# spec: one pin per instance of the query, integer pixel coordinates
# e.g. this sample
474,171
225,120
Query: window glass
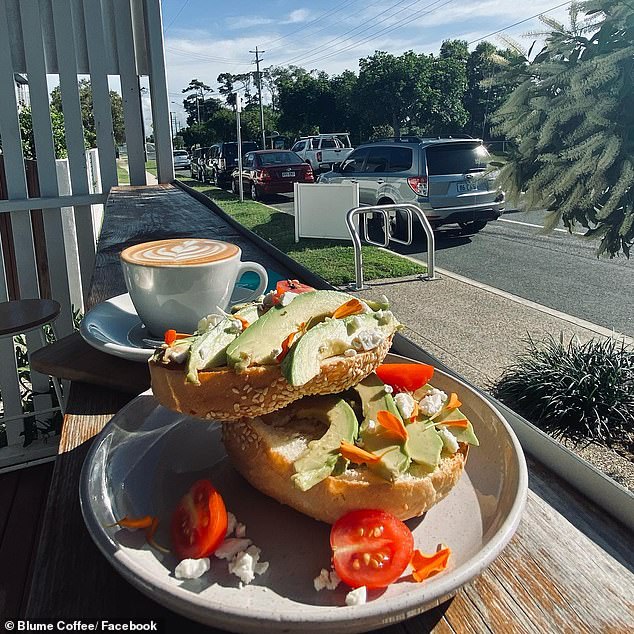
354,163
456,158
400,159
377,159
279,158
298,147
248,160
328,143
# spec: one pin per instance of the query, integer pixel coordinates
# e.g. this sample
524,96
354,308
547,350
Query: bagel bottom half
264,450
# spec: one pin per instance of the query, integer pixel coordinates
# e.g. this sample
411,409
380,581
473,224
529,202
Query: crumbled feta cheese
245,565
358,596
388,389
241,530
405,404
235,325
191,568
449,441
366,309
432,403
371,426
231,546
178,354
276,352
356,322
350,352
383,316
327,579
368,340
287,298
231,523
267,300
209,322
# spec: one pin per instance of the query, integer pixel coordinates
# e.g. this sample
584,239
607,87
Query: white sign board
320,209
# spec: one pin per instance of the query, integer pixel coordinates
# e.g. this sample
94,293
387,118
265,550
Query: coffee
179,252
174,283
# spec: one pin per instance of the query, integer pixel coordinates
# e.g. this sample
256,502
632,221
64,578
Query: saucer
115,328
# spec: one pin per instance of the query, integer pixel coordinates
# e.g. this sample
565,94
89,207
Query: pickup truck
322,151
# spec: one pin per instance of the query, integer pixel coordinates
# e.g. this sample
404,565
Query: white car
181,160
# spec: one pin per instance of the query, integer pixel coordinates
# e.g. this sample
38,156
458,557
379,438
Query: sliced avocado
322,456
424,443
394,455
462,434
208,350
328,339
256,344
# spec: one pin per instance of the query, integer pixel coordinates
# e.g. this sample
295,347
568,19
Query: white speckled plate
147,457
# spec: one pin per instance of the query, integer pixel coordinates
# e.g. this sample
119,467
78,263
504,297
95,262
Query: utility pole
259,85
172,114
239,137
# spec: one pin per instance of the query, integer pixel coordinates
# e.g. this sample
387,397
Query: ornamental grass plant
583,392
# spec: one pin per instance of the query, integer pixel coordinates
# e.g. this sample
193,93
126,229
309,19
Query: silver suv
447,178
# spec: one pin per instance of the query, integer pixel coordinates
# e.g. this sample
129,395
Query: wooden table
569,567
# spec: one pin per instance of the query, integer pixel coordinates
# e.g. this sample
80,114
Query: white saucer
115,328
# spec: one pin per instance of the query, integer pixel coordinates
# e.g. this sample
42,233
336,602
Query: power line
319,18
205,58
339,39
384,31
166,29
510,26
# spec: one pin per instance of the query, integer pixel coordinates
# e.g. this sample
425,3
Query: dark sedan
266,172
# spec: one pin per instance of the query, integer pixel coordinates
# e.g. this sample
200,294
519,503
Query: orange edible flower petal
412,418
427,565
356,454
453,401
351,307
392,423
405,377
171,336
288,342
133,522
459,422
149,536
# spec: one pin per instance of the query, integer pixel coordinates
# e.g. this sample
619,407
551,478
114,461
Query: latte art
179,252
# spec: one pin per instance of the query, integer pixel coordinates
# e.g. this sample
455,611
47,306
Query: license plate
288,174
467,187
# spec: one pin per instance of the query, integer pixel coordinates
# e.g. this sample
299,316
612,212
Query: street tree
572,119
196,92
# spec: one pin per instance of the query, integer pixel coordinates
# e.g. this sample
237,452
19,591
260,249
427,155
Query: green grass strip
332,259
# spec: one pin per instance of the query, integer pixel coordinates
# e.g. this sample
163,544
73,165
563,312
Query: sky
204,38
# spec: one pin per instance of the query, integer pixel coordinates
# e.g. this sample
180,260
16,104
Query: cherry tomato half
292,286
405,377
370,548
199,523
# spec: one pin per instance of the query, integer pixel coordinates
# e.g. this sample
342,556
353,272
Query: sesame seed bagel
226,395
264,452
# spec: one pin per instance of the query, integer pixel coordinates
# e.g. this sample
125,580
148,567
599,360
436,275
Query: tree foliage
572,118
87,112
28,140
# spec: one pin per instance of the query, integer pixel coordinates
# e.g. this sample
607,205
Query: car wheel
234,187
213,179
399,226
473,227
254,192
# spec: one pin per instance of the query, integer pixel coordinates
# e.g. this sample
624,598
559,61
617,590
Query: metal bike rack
411,211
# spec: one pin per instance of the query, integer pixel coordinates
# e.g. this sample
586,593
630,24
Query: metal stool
26,315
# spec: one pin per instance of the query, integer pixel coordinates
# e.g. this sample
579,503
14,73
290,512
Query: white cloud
299,15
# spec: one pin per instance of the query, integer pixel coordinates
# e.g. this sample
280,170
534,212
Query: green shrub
582,392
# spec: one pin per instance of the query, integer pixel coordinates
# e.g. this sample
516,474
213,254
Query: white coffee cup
174,283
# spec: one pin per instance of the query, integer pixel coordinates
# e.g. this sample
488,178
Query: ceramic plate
114,327
147,457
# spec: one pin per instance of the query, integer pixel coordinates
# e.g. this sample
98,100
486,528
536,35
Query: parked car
197,161
446,177
223,159
267,172
181,160
322,151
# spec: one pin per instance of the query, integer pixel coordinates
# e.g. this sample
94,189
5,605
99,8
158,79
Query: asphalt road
558,270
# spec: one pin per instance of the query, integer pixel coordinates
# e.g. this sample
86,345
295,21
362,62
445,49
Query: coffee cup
174,283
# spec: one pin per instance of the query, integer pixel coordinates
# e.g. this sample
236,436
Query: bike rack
411,211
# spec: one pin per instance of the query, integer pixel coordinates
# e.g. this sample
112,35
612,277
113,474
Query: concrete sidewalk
474,329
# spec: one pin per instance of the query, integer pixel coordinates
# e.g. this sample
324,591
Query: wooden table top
569,567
